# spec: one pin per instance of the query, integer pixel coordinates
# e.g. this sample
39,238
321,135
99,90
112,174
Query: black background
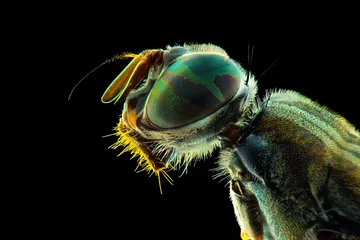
94,193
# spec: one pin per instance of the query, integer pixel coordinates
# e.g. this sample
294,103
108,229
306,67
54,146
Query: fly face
191,94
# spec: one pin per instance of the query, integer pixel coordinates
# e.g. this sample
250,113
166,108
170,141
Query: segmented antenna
110,60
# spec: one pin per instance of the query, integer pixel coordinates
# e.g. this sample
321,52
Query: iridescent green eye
193,87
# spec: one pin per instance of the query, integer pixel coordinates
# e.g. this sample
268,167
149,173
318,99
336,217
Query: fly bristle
127,138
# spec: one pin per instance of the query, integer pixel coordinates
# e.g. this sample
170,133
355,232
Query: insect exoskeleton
293,166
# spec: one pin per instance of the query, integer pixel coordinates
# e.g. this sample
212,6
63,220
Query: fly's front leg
245,204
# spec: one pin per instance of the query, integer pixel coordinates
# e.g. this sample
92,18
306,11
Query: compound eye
193,87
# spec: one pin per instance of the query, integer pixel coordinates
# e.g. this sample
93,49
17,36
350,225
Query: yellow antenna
114,58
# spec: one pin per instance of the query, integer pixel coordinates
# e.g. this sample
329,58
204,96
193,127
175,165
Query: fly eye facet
192,88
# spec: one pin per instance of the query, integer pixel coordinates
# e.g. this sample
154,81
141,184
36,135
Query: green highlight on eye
203,68
165,111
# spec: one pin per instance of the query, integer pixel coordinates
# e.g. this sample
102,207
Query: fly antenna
113,59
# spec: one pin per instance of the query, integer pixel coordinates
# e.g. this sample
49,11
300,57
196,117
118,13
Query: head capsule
191,94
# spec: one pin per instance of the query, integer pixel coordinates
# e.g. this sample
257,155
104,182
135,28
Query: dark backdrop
97,194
